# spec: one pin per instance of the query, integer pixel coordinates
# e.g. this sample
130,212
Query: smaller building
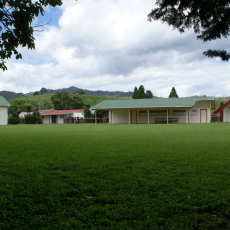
224,111
4,105
23,114
59,116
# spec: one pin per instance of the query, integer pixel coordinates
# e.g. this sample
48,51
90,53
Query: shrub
14,118
87,113
28,119
36,118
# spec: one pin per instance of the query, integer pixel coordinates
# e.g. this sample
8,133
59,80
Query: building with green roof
4,104
158,110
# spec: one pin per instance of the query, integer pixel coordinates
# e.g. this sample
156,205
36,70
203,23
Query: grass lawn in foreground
88,176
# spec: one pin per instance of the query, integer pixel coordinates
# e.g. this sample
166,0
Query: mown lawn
91,176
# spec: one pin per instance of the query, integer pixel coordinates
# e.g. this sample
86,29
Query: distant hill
12,96
8,95
73,89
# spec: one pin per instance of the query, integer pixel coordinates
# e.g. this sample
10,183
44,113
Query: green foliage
102,113
65,100
16,26
209,19
28,119
43,90
115,176
28,107
173,93
16,106
135,93
36,93
140,93
14,118
35,118
87,113
80,91
149,94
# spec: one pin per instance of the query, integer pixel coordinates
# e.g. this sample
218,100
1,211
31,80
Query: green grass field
88,176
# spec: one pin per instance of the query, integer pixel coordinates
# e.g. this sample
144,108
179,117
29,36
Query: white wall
198,106
3,115
46,119
79,114
226,114
119,116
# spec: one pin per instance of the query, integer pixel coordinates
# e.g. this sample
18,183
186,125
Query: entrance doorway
203,116
133,116
53,119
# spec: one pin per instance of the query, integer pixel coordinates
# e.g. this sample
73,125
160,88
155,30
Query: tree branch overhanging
209,19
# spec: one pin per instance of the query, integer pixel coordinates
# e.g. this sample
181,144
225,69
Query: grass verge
115,176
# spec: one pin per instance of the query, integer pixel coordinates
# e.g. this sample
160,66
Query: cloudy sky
110,45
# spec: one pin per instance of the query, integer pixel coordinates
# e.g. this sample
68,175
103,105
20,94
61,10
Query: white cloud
109,45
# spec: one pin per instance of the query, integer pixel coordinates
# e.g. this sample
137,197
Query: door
53,119
133,117
203,116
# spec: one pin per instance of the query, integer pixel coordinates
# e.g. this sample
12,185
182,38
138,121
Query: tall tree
63,100
141,92
135,93
209,19
173,93
16,28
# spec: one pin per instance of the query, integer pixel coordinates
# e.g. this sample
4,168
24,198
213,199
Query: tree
173,93
209,19
43,90
141,92
87,113
36,93
28,106
135,93
64,100
35,118
17,106
80,91
16,25
14,118
149,94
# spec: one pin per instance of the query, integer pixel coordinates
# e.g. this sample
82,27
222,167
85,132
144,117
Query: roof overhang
158,107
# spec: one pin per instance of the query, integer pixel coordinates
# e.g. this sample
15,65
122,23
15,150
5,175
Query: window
62,116
142,113
194,112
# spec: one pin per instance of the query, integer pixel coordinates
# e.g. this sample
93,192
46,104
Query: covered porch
149,116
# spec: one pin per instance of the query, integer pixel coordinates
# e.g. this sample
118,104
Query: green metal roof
151,103
4,102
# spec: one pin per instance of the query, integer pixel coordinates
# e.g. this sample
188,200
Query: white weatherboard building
4,105
159,110
58,116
